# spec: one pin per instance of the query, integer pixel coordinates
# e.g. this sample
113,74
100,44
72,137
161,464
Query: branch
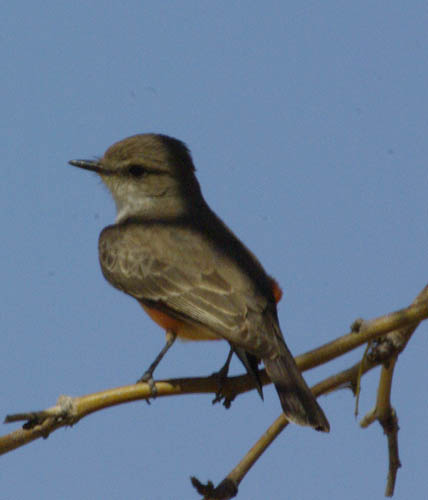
231,482
69,410
39,425
386,350
385,414
368,330
396,341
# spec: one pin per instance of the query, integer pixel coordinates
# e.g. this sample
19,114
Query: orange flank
277,292
183,330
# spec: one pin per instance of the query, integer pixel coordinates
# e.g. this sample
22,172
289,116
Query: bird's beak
92,165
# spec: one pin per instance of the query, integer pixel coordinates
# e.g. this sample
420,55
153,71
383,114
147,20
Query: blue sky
308,126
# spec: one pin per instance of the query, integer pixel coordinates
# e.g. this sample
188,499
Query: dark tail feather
251,364
297,401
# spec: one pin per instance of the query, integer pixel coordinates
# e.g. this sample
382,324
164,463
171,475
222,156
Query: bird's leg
224,370
221,376
148,374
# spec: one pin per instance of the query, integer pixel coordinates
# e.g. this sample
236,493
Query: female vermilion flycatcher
189,272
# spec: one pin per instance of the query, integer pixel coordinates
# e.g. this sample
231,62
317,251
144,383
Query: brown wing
180,271
186,276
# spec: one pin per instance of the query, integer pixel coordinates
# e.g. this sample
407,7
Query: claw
148,379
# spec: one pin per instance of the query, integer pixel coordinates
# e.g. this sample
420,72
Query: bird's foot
221,378
223,394
147,378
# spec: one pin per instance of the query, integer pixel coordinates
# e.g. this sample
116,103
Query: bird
190,273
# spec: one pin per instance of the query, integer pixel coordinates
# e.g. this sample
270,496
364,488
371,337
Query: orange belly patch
183,330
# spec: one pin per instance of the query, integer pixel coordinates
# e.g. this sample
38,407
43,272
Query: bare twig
386,350
385,414
235,477
368,330
391,428
350,376
398,325
360,374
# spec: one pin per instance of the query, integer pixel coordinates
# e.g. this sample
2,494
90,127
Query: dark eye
136,171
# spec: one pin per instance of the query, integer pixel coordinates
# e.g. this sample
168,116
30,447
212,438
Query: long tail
297,401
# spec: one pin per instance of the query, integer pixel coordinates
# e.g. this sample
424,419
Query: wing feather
182,272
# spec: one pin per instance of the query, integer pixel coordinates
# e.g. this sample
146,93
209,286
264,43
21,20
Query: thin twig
386,350
70,410
369,330
385,414
391,429
241,469
350,376
358,383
